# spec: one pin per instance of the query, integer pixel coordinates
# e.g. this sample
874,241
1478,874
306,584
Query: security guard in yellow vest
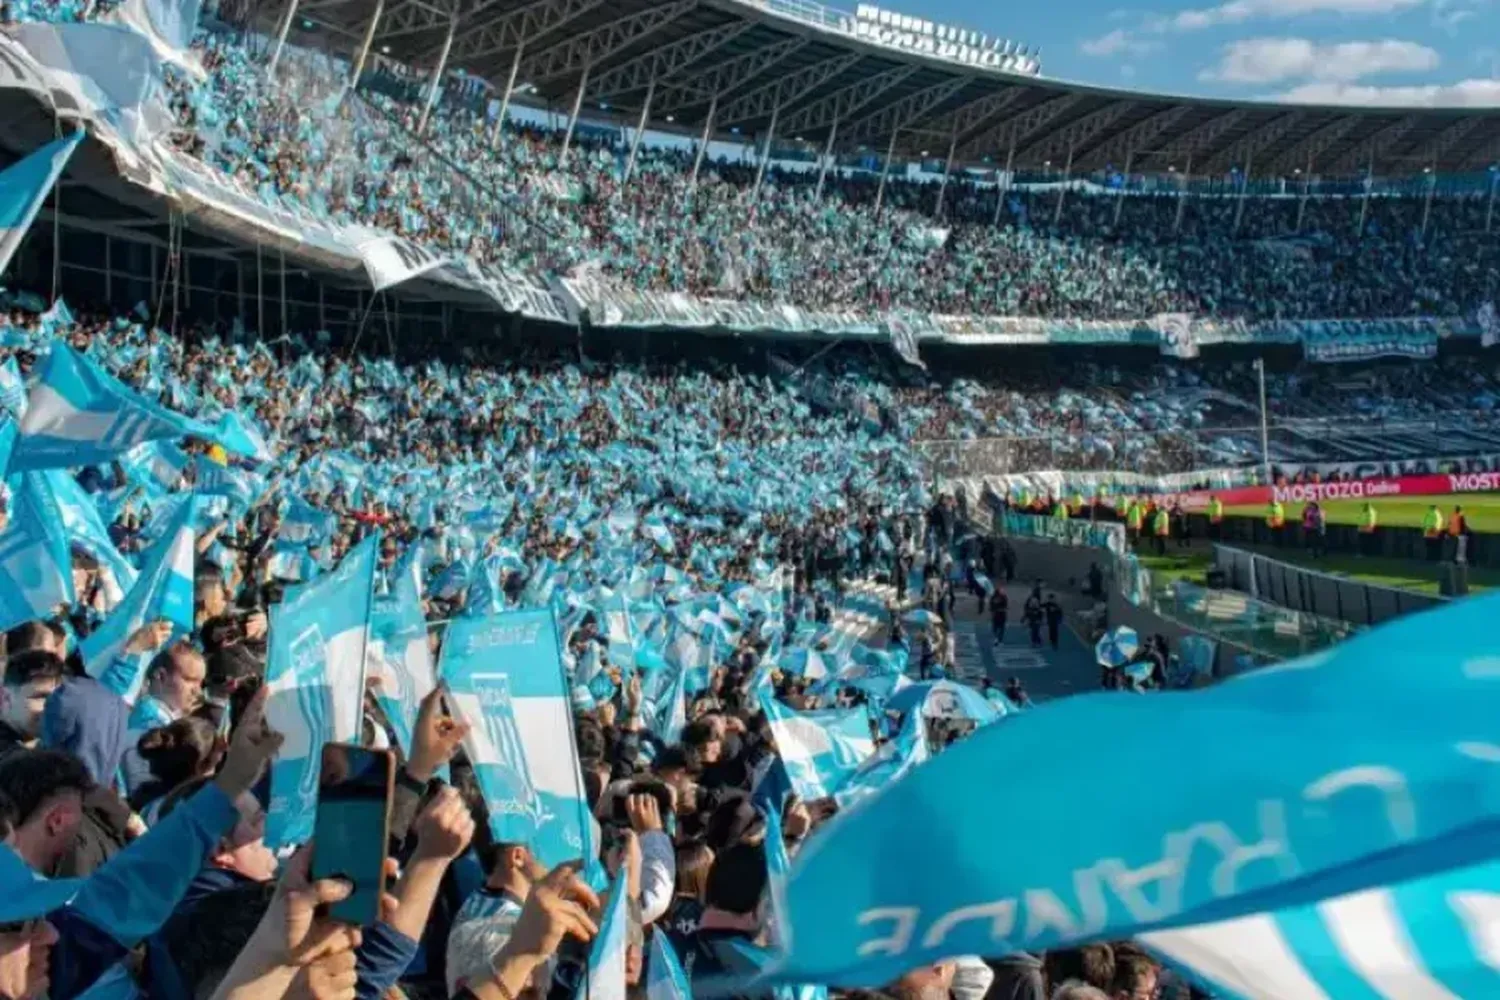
1368,523
1215,518
1133,515
1276,520
1433,526
1161,530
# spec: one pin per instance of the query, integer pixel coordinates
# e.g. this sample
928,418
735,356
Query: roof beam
516,27
1259,138
1123,144
1067,139
882,120
842,103
1450,137
760,102
1303,154
1357,157
577,51
724,77
1486,154
1200,136
664,60
964,120
1014,131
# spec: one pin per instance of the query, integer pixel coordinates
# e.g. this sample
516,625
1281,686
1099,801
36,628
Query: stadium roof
747,60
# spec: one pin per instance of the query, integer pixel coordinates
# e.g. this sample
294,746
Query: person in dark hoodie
31,676
86,720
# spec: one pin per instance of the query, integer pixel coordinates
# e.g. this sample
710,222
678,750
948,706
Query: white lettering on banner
503,635
1041,912
1475,482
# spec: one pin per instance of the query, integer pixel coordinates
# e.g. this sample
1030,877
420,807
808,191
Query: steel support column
708,130
947,169
498,139
885,170
828,158
1364,203
1182,196
437,77
1427,200
765,155
1120,194
1489,212
640,130
364,47
1239,209
1003,188
1062,192
583,83
286,26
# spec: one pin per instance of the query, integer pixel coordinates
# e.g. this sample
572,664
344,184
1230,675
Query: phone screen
352,827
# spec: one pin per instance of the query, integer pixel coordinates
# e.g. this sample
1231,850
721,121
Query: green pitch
1482,510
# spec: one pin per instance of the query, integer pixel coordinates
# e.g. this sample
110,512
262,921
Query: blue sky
1403,52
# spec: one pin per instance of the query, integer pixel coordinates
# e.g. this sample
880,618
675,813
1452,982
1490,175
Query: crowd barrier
1303,589
1240,623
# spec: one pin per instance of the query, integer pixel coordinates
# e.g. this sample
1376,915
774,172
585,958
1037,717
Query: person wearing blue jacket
132,895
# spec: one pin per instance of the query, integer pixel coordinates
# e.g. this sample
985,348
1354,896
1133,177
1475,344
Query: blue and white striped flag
819,753
1290,799
399,657
86,530
239,435
316,675
162,592
24,187
505,676
665,979
891,761
79,415
604,977
36,566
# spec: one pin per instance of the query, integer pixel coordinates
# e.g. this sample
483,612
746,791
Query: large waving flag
316,675
1432,938
79,415
24,186
820,752
12,388
505,675
604,977
399,657
665,979
36,566
1289,797
162,592
85,529
891,761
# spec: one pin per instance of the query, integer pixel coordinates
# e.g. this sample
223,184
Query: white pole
947,169
498,139
1120,194
708,130
437,77
286,25
1182,196
1265,427
828,158
1004,187
885,170
1489,212
1063,191
1239,209
583,82
1427,202
765,155
364,48
640,129
1306,190
1364,205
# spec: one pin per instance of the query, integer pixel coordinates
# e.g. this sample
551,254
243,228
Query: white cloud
1115,43
1477,92
1239,11
1272,60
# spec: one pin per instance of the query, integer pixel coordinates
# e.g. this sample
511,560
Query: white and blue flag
604,977
24,187
820,752
36,565
399,658
505,677
665,979
85,529
1290,798
79,415
316,675
892,760
163,592
12,388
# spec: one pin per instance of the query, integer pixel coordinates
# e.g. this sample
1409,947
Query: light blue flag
12,388
604,976
316,676
819,753
1291,796
1432,937
400,659
86,530
512,661
79,415
36,566
671,713
24,186
665,979
891,761
239,435
163,592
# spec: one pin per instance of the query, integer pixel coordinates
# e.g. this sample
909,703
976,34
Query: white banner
390,261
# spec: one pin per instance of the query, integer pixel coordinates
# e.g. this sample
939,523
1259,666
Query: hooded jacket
86,720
